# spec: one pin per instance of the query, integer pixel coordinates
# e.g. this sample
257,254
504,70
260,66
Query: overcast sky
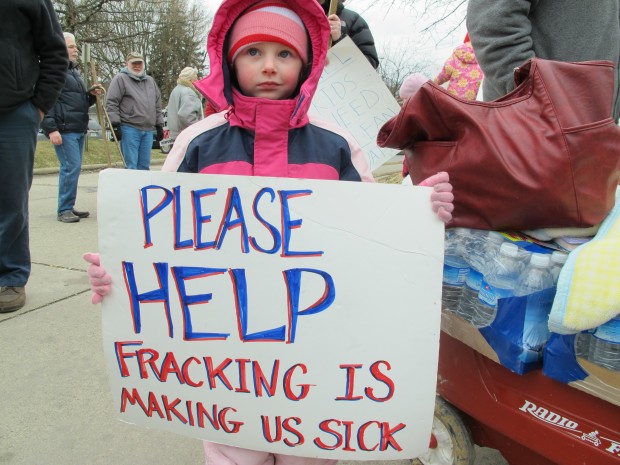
404,25
398,27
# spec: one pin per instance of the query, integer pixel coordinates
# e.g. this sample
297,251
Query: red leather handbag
545,155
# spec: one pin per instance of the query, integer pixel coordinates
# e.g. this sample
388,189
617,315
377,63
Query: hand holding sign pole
333,5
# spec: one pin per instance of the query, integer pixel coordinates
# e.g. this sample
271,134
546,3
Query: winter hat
188,73
268,21
134,57
411,84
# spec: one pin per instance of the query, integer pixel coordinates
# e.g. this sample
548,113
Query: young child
410,85
462,72
261,85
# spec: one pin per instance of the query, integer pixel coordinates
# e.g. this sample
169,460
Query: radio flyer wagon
530,418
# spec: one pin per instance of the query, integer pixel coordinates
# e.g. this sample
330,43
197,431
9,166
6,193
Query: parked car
94,129
166,144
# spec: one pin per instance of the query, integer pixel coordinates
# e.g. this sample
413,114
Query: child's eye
253,51
285,54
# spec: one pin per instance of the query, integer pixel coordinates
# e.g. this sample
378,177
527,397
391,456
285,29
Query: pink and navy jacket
260,137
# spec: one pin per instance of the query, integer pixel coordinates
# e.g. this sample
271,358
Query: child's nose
269,64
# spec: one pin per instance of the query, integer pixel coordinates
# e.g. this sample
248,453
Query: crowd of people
264,57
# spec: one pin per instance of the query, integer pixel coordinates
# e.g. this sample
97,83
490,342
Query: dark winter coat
354,26
33,57
70,112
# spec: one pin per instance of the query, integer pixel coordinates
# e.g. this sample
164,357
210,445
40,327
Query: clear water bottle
494,243
582,343
558,258
455,269
605,345
482,248
524,259
536,282
498,283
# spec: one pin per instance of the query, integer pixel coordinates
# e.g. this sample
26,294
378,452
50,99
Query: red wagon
530,418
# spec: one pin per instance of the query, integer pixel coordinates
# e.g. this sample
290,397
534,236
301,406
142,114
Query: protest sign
352,95
293,316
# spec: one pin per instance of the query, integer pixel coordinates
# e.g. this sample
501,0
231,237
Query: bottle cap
510,249
559,257
460,231
495,238
539,259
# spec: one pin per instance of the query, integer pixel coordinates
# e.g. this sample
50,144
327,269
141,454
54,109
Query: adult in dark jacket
349,23
33,63
506,33
66,125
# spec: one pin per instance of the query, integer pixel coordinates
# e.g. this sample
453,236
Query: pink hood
270,120
216,86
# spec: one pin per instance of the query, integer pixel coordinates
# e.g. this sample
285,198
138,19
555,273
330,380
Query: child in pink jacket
462,71
261,86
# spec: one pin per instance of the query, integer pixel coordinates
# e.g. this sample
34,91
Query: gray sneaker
81,214
68,217
12,298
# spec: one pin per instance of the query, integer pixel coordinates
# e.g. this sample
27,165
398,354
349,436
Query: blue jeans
136,146
69,155
18,141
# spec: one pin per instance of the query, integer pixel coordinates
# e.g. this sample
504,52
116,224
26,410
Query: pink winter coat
463,72
261,137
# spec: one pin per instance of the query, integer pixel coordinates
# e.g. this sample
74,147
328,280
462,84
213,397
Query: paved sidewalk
55,403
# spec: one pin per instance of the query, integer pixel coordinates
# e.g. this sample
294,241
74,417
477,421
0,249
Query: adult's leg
18,141
220,454
130,145
144,155
69,155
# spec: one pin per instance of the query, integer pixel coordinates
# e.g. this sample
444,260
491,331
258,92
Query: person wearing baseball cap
134,108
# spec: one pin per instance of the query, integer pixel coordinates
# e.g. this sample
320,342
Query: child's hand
99,279
442,197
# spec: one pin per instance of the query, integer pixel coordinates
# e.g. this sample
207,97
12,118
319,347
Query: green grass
94,154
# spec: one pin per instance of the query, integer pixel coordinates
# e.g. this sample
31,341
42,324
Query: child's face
269,70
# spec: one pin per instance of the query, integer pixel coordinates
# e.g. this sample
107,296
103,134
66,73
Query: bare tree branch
169,33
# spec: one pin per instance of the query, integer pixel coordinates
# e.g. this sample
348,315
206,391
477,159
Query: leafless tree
169,33
176,47
433,13
396,63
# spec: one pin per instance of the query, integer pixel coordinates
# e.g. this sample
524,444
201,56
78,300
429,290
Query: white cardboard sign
352,95
293,316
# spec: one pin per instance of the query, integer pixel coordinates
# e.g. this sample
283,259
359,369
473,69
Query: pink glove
99,279
442,197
